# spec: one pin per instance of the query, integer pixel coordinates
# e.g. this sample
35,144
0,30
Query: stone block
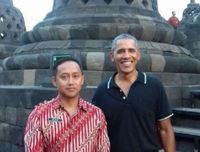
2,114
5,147
17,148
4,132
22,115
11,77
16,135
174,95
88,92
11,115
23,96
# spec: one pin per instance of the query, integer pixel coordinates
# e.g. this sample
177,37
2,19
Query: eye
76,76
120,51
132,50
63,77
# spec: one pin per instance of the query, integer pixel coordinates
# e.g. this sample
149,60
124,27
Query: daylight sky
34,11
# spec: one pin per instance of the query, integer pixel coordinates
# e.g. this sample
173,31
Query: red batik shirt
51,129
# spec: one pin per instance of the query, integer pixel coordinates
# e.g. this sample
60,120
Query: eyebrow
126,49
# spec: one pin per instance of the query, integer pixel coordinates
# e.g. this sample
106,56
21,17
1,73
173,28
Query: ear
138,55
112,56
53,81
83,79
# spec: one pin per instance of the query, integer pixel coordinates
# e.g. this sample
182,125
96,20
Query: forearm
168,140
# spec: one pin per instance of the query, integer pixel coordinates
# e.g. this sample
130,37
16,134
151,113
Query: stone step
29,96
187,117
195,98
40,77
187,139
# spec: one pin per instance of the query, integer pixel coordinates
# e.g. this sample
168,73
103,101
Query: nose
70,80
127,54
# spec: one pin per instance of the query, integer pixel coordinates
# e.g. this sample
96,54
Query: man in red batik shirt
174,21
66,123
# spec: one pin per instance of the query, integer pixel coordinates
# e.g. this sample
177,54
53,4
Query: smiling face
68,79
125,56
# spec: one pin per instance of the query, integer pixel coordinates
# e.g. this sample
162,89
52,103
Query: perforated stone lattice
109,1
129,1
11,24
85,1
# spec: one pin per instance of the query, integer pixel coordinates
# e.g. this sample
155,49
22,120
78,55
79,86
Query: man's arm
33,138
103,143
167,135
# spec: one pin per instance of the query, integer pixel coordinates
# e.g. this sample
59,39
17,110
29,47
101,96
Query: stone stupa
190,25
85,29
12,27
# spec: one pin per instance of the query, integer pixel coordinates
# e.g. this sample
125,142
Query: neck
124,81
127,77
69,104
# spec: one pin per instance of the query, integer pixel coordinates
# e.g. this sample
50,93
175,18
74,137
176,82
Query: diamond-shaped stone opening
13,18
8,11
18,27
15,36
9,26
129,1
145,3
108,1
85,1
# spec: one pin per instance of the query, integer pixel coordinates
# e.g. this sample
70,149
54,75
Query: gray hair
123,36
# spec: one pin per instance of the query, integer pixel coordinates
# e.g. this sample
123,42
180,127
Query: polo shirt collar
82,104
142,78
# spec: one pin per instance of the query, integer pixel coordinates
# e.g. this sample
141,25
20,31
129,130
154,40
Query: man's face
125,56
68,79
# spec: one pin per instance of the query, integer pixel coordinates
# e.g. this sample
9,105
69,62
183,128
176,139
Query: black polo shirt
132,119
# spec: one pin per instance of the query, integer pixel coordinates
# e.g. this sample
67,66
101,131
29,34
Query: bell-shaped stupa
11,28
85,29
191,27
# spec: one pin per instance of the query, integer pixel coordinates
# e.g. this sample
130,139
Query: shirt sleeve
163,107
103,143
33,137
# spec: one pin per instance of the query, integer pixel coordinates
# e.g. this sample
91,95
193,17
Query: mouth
126,63
70,89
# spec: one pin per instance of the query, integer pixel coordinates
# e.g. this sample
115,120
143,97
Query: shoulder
101,89
41,108
91,107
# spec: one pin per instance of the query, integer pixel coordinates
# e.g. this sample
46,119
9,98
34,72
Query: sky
34,11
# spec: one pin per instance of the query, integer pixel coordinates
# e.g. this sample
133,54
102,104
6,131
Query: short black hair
123,36
59,62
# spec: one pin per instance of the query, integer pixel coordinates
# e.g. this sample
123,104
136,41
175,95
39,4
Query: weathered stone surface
12,27
16,135
173,56
17,148
2,113
11,115
5,146
92,78
191,27
4,132
25,99
22,115
84,29
73,25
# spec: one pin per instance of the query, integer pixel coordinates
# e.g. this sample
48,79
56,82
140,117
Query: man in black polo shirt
135,104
